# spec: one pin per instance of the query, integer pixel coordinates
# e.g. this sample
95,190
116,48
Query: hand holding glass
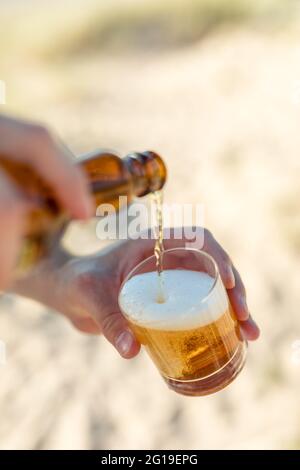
193,336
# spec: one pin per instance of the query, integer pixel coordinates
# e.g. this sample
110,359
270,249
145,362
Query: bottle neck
148,172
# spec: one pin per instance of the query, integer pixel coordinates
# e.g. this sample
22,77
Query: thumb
117,331
98,299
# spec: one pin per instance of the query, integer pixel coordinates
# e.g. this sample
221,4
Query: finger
54,164
204,240
214,249
142,248
102,306
12,212
34,145
250,329
116,330
237,297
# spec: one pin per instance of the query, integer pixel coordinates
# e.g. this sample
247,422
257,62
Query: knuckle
110,323
240,285
86,282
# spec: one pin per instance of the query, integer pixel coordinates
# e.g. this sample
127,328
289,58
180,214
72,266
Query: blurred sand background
214,86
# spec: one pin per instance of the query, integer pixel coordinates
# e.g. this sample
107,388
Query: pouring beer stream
157,197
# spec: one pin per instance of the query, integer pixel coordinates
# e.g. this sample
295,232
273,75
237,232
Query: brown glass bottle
110,177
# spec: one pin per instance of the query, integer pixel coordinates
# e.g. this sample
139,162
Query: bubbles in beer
193,337
159,244
183,307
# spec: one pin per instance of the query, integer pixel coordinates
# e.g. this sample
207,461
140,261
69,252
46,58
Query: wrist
42,282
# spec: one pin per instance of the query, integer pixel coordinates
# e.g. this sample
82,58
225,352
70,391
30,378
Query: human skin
85,289
32,144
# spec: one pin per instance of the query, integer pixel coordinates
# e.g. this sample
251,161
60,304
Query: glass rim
170,250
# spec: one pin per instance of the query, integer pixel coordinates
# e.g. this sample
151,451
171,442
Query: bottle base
214,382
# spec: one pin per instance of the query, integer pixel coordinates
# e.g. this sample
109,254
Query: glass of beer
185,321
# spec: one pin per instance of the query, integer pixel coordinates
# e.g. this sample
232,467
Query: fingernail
124,343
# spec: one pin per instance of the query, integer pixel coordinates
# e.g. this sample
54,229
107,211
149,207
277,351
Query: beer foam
187,303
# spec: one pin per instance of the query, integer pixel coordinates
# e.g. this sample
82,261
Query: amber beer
193,337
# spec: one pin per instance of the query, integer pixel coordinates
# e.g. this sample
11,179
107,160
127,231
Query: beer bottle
109,176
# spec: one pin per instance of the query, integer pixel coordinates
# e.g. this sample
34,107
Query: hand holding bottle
33,145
